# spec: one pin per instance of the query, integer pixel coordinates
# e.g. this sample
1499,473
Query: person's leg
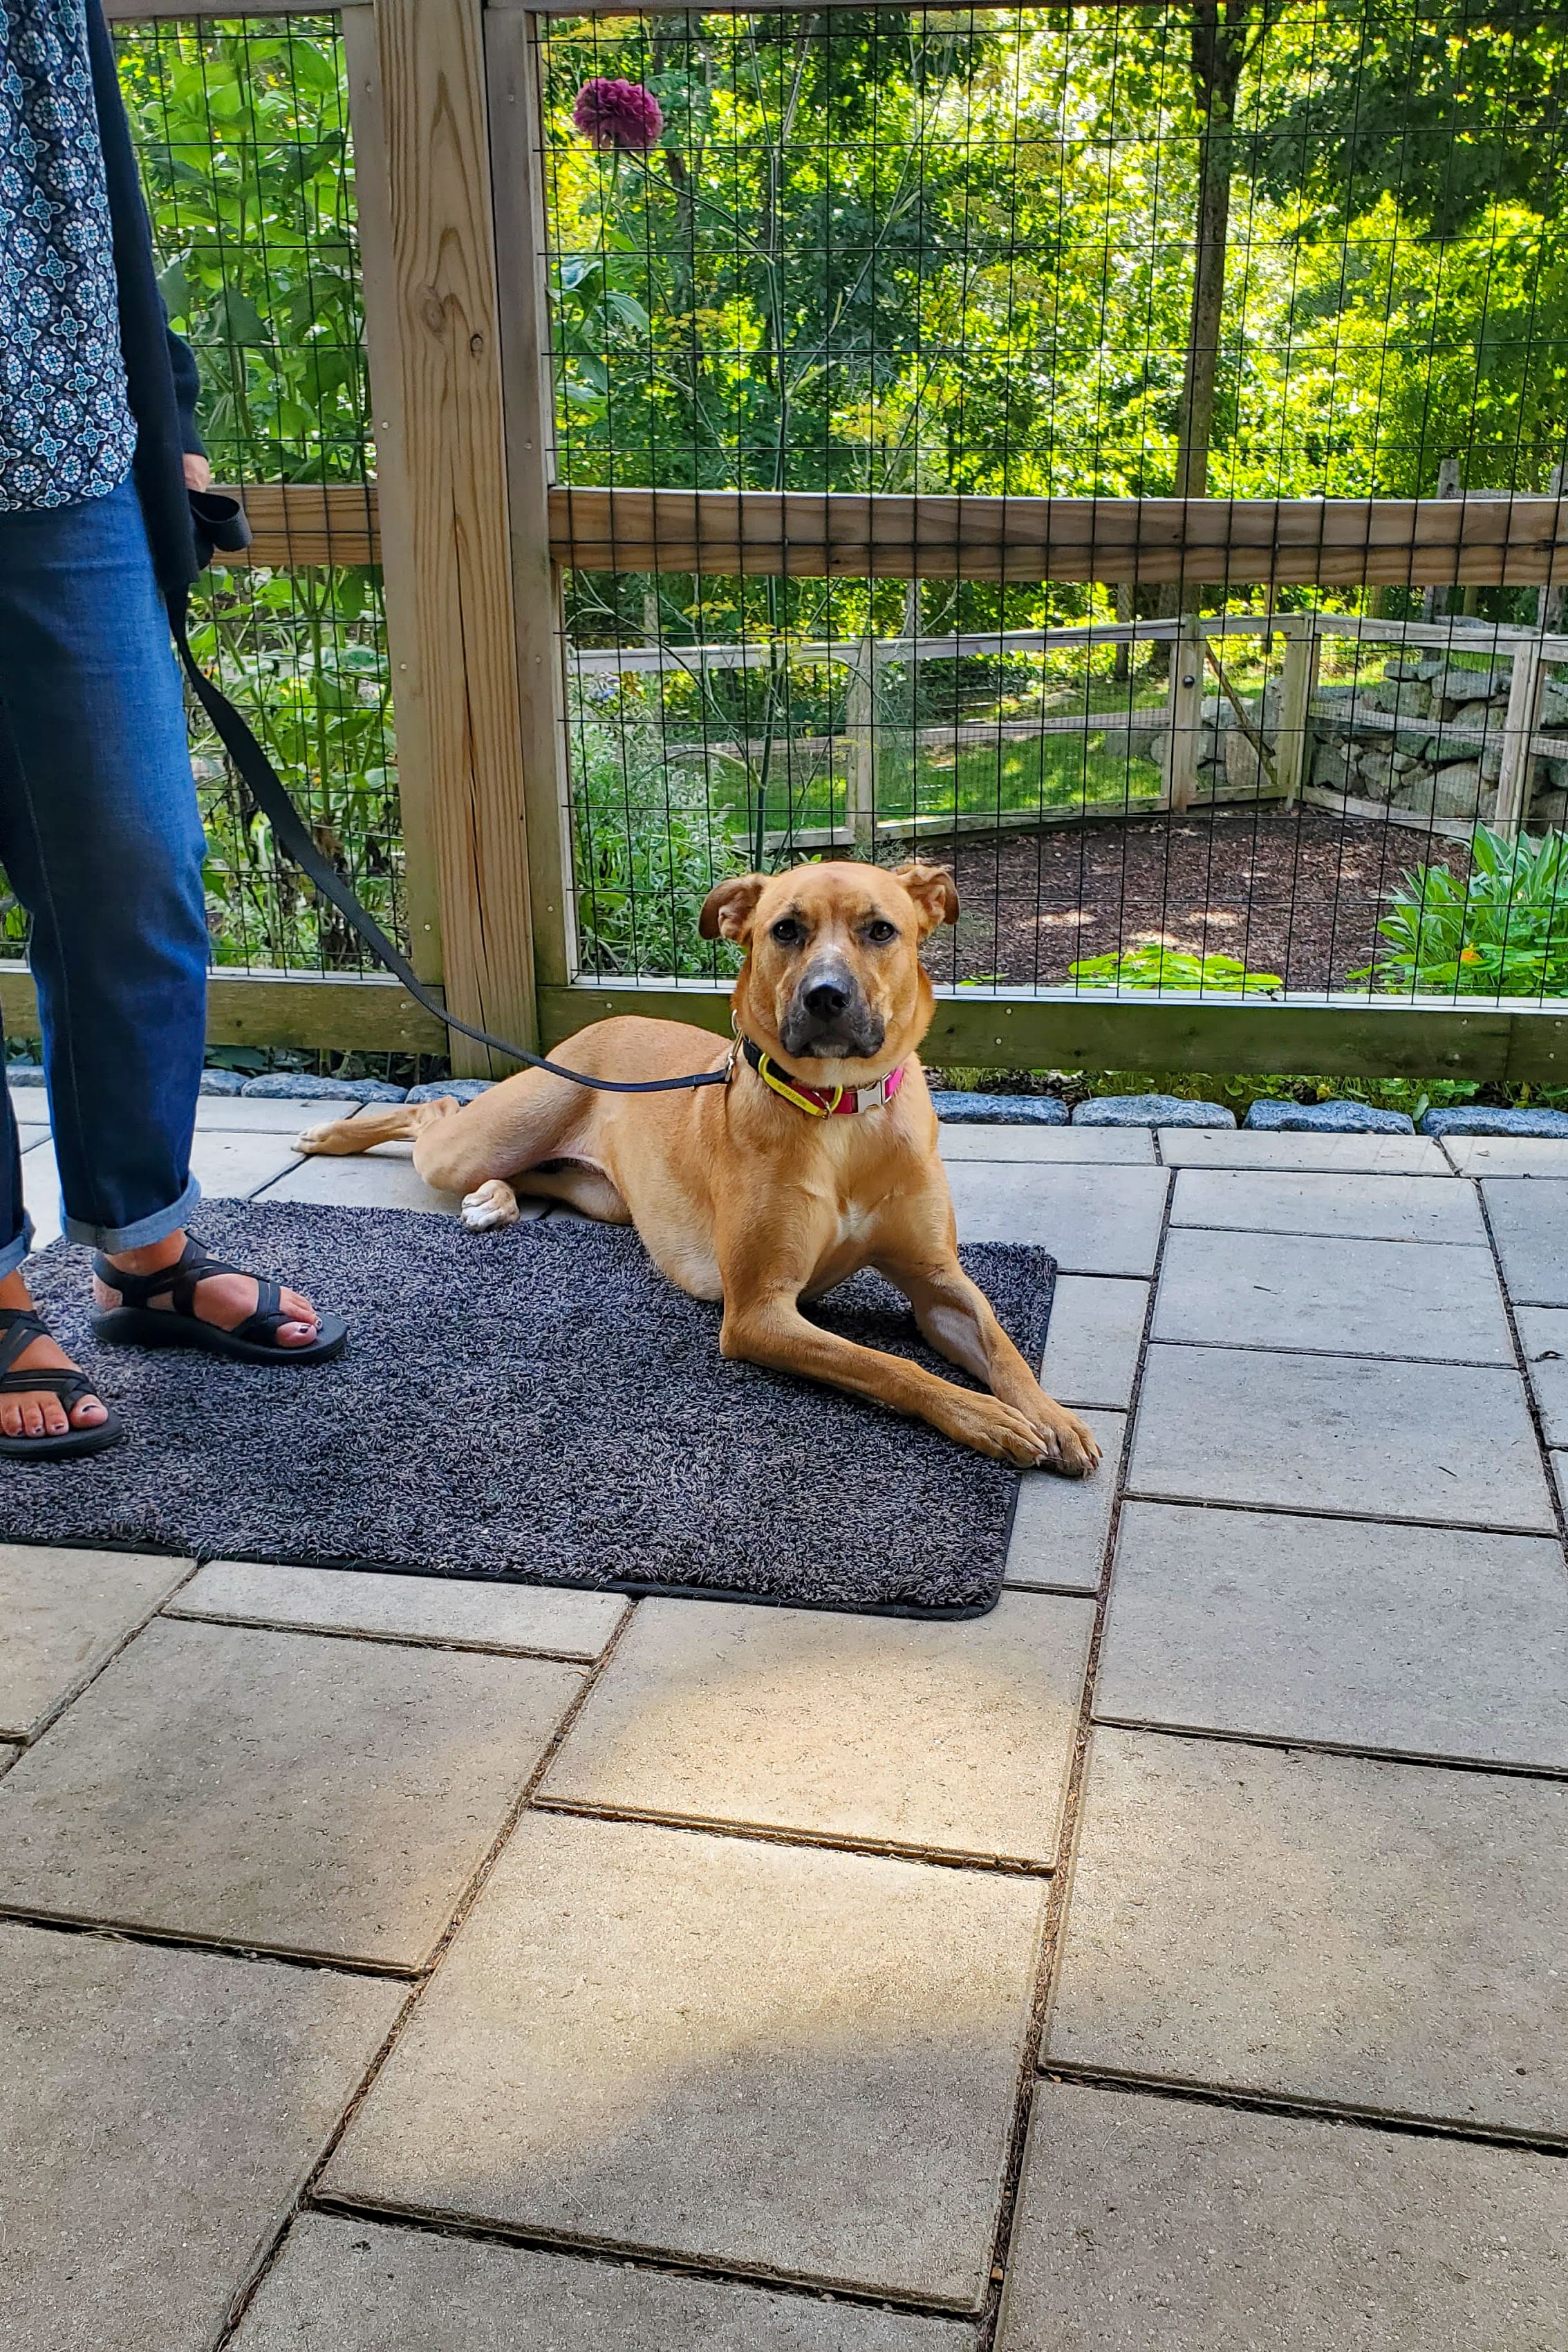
101,838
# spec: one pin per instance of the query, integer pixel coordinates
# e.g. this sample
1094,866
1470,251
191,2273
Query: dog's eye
787,931
880,933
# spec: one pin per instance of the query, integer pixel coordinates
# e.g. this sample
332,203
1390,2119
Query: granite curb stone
1337,1116
222,1082
999,1111
308,1086
465,1090
1474,1118
1150,1110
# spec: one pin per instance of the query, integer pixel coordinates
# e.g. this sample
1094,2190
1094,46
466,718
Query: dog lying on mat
817,1157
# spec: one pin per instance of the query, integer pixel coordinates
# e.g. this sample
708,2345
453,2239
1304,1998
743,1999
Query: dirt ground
1296,895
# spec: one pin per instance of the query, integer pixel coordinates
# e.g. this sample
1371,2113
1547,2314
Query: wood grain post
422,133
860,726
1186,707
1518,727
1299,676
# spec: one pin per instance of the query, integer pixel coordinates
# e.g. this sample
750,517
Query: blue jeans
101,840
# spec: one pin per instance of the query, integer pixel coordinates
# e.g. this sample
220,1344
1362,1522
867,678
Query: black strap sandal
137,1323
19,1327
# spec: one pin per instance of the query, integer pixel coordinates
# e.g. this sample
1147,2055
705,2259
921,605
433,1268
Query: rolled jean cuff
112,1239
15,1252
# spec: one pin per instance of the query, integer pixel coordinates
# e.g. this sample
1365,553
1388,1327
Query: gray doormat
534,1403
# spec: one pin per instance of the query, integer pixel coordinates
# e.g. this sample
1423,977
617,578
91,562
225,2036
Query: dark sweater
161,374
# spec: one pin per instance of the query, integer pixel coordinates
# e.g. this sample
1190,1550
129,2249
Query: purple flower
618,114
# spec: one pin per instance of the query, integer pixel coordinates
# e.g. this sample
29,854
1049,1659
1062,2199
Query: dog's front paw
1069,1445
493,1205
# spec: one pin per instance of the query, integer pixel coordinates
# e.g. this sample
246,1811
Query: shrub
1150,964
1502,933
648,843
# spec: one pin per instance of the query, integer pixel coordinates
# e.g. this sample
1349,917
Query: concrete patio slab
1148,2221
8,1756
762,2057
352,2286
1341,1632
269,1114
1348,1207
1410,1299
41,1192
375,1181
1095,1338
1339,1433
1092,1219
1544,1343
1104,1146
1060,1524
948,1739
277,1792
1374,1155
1531,1233
227,1165
1375,1936
160,2111
1507,1155
63,1614
459,1613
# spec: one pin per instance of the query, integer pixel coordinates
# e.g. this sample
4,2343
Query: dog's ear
729,907
934,892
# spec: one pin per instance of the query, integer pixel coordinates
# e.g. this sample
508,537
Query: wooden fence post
1299,676
511,53
423,180
1518,728
860,726
1184,707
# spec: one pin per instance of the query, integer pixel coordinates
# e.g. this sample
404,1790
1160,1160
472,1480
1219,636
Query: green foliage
1151,964
1503,932
648,843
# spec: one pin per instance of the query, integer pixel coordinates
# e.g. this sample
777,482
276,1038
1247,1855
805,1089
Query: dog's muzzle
828,1017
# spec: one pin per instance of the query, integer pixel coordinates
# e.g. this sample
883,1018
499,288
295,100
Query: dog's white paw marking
310,1136
494,1203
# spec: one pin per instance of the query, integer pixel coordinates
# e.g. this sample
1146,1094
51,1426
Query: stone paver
1095,1337
445,1609
1339,1630
8,1756
1378,1155
1340,1434
1411,1300
1348,1208
346,2286
41,1192
1060,1523
1103,1147
63,1613
238,1165
759,2056
954,1738
276,1791
268,1114
1148,2223
1531,1233
379,1180
1371,1935
159,2112
1092,1219
1507,1155
1544,1342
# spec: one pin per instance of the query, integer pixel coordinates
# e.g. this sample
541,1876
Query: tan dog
757,1192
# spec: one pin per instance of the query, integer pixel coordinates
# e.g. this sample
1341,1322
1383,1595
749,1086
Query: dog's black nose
825,1000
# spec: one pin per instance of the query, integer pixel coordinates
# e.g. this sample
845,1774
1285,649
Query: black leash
292,835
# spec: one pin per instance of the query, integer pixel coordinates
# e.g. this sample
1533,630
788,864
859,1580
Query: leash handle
269,795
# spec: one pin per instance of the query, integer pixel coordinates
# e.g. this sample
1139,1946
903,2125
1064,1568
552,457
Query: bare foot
225,1300
38,1413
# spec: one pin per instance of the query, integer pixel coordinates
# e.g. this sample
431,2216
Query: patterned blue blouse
65,428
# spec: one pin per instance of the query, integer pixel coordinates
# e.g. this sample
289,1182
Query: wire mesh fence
242,131
1233,248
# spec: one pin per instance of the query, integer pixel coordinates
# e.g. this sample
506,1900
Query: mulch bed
1296,895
